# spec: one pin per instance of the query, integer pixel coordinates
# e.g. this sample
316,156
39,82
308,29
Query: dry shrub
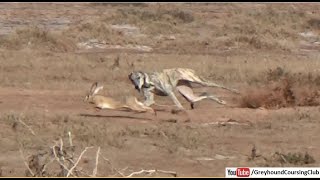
37,38
307,97
313,23
278,159
280,94
296,158
276,74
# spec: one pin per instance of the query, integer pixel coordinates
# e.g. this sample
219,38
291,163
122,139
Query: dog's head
139,80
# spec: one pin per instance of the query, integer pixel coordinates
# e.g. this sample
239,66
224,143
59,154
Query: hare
103,102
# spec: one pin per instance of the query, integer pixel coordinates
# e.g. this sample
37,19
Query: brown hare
103,102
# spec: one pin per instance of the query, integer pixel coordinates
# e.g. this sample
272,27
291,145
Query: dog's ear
146,80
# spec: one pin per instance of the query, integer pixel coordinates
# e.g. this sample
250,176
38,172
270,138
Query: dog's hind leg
189,95
196,79
212,97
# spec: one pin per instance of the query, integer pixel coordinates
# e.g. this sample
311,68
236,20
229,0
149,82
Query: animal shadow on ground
119,116
113,116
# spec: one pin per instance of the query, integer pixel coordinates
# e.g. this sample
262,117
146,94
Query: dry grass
279,159
251,48
267,27
180,141
264,28
100,31
37,38
295,158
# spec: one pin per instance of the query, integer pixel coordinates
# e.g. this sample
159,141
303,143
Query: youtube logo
243,172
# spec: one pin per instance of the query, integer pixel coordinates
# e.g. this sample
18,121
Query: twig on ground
223,123
163,134
95,170
283,158
77,170
58,160
25,162
45,166
71,144
23,123
153,171
62,154
70,139
120,172
114,169
61,145
168,172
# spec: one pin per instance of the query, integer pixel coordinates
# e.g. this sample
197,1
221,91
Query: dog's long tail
212,84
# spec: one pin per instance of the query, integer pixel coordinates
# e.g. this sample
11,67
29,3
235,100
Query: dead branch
112,168
283,158
58,160
45,166
168,172
153,171
95,170
25,162
120,172
71,144
61,145
163,134
70,139
28,127
61,149
78,170
75,165
223,123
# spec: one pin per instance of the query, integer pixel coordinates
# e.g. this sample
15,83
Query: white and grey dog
166,82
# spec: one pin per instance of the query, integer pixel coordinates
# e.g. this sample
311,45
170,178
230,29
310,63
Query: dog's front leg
176,101
149,96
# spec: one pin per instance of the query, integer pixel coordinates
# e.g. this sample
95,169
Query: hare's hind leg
98,109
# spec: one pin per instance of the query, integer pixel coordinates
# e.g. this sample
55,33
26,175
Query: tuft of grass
294,158
161,14
285,159
313,23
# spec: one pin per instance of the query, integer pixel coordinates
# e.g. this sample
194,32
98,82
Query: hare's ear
97,89
93,87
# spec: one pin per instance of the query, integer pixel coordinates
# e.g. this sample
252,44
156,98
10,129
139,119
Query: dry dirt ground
51,54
